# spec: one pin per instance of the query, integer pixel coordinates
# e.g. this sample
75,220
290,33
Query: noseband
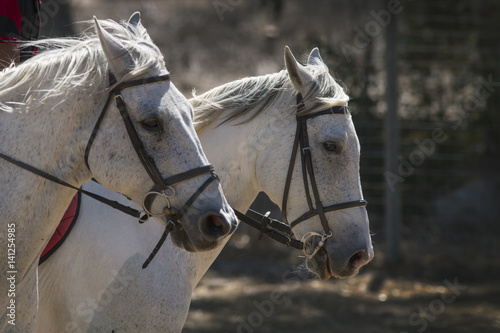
312,241
162,187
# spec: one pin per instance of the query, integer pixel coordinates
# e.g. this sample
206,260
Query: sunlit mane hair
244,99
66,63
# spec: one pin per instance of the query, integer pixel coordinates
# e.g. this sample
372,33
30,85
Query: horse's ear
315,59
301,79
135,26
119,59
135,19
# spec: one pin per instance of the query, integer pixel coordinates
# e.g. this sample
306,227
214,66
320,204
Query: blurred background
424,78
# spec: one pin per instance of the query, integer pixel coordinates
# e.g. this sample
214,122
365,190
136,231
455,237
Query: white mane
249,96
64,64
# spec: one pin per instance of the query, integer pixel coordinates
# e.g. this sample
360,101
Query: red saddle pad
63,229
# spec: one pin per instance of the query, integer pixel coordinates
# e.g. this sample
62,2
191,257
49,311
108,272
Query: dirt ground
440,286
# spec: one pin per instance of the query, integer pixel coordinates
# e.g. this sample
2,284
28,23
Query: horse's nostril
359,259
357,256
214,221
214,226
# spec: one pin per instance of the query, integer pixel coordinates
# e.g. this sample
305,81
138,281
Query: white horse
247,129
49,108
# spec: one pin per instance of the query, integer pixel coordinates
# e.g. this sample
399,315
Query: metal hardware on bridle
163,194
310,248
277,230
312,241
264,222
173,215
162,187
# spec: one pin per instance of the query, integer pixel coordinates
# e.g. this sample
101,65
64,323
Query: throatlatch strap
94,132
288,181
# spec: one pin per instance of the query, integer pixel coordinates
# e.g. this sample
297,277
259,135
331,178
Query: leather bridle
312,241
162,186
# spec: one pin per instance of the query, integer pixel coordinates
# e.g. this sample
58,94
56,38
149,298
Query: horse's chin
321,266
181,239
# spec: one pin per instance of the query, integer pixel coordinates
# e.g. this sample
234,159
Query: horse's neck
234,151
236,170
51,138
46,138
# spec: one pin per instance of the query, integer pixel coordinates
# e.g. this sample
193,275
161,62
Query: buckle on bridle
310,247
264,222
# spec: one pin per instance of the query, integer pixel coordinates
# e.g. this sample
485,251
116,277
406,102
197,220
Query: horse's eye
330,146
152,124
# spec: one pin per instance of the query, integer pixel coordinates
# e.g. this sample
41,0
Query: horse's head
164,154
330,190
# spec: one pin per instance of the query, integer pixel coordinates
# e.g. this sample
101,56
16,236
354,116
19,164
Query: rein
125,209
276,229
162,187
281,231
